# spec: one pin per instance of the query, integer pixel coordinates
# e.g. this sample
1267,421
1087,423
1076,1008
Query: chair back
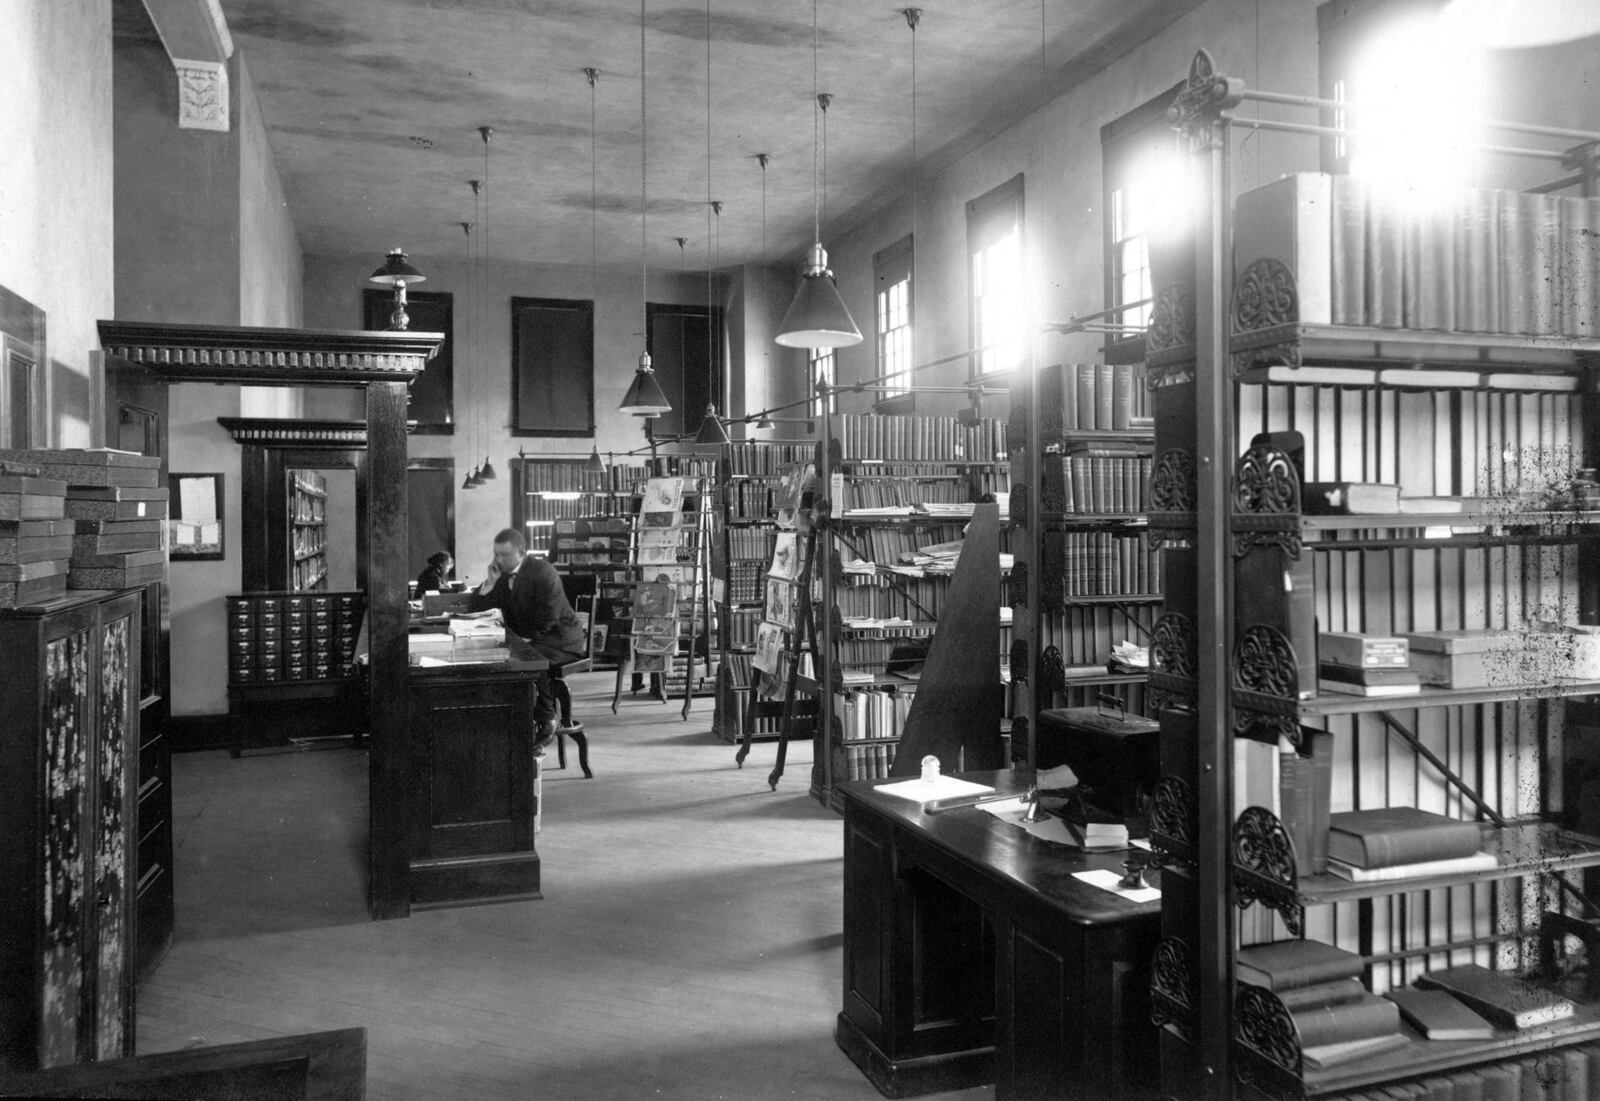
582,590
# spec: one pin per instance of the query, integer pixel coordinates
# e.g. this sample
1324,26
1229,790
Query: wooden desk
971,955
472,781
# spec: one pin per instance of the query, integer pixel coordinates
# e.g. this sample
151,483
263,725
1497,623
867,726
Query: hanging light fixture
817,317
711,431
594,464
486,472
765,421
480,214
644,397
466,228
398,273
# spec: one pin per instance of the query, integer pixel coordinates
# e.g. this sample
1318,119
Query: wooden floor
687,945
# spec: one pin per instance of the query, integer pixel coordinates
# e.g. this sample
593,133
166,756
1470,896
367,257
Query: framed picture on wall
552,367
431,402
194,517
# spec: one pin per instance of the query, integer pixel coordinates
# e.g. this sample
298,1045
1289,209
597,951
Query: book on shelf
1348,250
1287,964
1371,691
1437,1015
1334,992
1387,836
1453,865
1351,648
1338,1022
1310,376
1355,676
1290,220
1508,1001
1339,498
1328,1056
1421,506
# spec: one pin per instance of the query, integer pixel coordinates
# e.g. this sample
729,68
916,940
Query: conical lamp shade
486,472
765,422
645,397
468,483
711,431
817,317
594,464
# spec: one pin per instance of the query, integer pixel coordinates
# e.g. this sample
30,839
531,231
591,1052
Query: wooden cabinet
67,827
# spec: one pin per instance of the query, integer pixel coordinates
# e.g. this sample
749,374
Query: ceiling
373,108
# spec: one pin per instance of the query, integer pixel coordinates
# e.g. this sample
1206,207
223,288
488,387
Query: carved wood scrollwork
1265,296
1017,585
1019,510
1173,485
1175,645
1266,483
1265,726
1171,318
1286,354
1019,663
1263,866
1174,820
1174,986
1162,375
1052,670
1263,661
1263,1026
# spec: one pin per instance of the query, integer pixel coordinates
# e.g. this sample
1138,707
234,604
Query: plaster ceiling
373,108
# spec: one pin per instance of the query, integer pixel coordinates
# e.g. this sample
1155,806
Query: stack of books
1502,1000
1389,843
1338,1020
478,639
1365,665
35,538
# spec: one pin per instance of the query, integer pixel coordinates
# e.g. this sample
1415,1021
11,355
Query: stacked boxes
292,636
109,529
35,539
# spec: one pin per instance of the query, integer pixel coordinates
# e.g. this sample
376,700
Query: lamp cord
816,201
644,197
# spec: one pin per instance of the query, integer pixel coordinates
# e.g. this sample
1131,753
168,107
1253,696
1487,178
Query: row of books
1564,1075
1477,261
866,436
739,626
1094,483
751,500
754,543
1084,397
568,476
863,762
885,543
749,457
744,582
884,491
890,597
870,713
1097,563
869,653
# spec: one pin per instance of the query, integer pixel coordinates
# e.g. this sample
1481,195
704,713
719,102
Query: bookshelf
892,489
308,531
1087,578
546,490
1261,382
751,476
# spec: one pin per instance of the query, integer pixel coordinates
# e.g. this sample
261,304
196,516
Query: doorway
430,510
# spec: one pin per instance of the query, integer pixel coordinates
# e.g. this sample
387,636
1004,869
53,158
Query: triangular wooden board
955,714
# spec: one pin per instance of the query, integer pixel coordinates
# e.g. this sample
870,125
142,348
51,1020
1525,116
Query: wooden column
389,893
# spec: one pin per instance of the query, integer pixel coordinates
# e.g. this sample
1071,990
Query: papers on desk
1048,827
1108,880
926,791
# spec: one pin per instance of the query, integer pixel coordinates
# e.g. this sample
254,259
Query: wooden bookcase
547,490
1236,361
883,481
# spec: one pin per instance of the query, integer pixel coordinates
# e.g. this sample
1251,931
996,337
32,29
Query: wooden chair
581,591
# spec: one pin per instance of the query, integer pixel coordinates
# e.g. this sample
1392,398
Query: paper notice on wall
210,534
197,500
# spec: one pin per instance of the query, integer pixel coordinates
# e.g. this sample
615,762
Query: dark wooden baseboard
196,732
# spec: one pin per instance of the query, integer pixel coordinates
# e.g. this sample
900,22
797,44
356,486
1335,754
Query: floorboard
687,945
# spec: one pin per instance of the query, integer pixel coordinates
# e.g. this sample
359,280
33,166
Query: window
1139,165
686,352
819,368
995,281
892,319
552,367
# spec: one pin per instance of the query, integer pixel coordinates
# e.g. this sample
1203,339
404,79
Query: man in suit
528,592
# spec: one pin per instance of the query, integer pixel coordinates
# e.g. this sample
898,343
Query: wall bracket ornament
1263,867
202,95
1174,987
1265,296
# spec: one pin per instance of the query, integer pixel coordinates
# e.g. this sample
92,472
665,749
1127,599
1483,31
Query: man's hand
490,576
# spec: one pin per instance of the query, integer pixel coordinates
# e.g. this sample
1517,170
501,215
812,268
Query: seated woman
435,576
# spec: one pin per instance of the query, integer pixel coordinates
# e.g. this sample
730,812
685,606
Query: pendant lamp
486,472
644,397
817,317
711,431
594,464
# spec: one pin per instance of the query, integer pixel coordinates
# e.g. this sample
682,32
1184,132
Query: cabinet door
116,698
68,725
